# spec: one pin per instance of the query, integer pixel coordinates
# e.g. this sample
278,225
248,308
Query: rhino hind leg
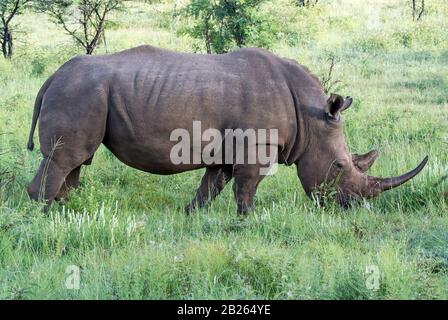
247,178
71,182
48,181
212,183
60,173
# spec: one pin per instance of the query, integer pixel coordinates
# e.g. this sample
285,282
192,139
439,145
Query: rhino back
211,88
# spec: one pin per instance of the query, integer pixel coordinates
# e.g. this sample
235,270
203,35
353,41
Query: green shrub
223,25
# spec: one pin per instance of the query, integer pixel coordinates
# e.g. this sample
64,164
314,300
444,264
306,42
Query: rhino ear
336,104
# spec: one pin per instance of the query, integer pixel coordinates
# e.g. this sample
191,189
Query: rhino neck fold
300,140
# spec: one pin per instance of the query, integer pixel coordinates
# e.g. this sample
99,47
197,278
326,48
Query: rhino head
328,160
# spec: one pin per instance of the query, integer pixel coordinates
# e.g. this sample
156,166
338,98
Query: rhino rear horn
364,161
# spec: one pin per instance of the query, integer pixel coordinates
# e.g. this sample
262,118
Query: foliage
225,24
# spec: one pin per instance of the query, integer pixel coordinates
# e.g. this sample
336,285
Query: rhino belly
151,153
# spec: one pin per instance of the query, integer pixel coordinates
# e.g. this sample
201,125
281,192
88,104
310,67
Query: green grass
128,233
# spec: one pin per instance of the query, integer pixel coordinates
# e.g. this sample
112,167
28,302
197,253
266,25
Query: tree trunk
417,12
422,9
207,35
10,45
413,10
5,53
7,43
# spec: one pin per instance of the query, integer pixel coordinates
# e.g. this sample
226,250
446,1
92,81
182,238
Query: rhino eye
338,165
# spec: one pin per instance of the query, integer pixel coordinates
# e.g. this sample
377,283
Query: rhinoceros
133,100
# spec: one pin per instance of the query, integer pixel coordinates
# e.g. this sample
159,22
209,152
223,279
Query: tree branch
13,12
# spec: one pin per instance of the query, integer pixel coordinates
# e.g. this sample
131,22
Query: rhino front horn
390,183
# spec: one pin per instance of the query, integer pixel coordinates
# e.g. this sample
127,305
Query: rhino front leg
212,183
247,178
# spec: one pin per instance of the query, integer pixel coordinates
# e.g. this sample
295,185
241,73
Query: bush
225,24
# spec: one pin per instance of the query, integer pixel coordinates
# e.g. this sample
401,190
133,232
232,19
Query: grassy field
126,229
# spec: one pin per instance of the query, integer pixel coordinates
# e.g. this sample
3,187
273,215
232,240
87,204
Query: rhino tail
36,112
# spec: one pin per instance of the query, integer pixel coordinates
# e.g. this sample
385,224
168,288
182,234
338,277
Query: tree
417,9
306,3
84,20
224,24
8,10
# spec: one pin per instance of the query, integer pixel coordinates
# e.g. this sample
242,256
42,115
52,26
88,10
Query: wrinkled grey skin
131,102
